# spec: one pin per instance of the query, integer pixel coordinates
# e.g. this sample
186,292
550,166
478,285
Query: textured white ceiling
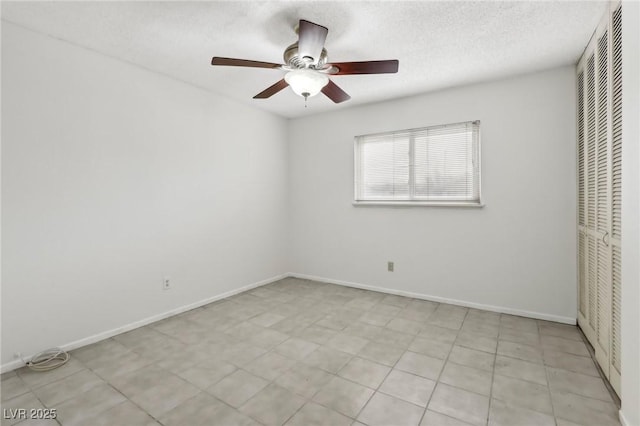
438,44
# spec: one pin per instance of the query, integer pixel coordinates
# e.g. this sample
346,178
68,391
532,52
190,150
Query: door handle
605,239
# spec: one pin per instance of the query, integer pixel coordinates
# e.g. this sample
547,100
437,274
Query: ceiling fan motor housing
307,68
292,58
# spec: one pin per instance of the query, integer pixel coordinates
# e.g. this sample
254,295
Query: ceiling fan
307,66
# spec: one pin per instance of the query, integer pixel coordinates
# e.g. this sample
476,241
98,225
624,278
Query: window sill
417,204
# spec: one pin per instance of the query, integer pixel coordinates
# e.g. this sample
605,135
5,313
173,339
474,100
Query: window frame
416,202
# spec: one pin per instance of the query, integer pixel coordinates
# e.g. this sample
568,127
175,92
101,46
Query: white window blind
430,165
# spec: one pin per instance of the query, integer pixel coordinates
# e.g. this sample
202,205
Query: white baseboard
500,309
12,365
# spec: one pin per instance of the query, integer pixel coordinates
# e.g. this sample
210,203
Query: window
437,165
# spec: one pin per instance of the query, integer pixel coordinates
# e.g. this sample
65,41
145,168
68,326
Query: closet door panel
616,194
592,287
602,203
599,167
583,298
603,298
589,325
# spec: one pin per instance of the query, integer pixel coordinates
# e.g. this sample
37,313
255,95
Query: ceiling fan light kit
307,68
306,82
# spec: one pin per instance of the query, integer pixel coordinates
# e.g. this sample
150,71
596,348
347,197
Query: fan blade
271,90
311,38
366,67
335,93
242,63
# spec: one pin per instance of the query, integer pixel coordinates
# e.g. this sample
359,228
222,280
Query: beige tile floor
297,352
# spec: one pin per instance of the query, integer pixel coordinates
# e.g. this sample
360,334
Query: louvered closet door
587,210
602,205
583,300
616,193
599,149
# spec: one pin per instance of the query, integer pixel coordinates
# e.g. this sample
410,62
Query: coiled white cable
48,360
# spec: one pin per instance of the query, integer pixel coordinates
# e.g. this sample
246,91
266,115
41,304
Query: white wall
518,252
113,176
630,213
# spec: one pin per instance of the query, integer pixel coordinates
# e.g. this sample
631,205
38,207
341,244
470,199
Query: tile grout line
528,381
32,388
446,360
493,373
385,378
154,363
546,374
592,354
437,381
272,350
108,383
332,308
355,418
307,400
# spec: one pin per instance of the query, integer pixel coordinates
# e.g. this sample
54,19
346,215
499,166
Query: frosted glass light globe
306,82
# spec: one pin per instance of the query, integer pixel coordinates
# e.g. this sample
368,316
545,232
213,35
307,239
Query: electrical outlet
166,283
390,266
